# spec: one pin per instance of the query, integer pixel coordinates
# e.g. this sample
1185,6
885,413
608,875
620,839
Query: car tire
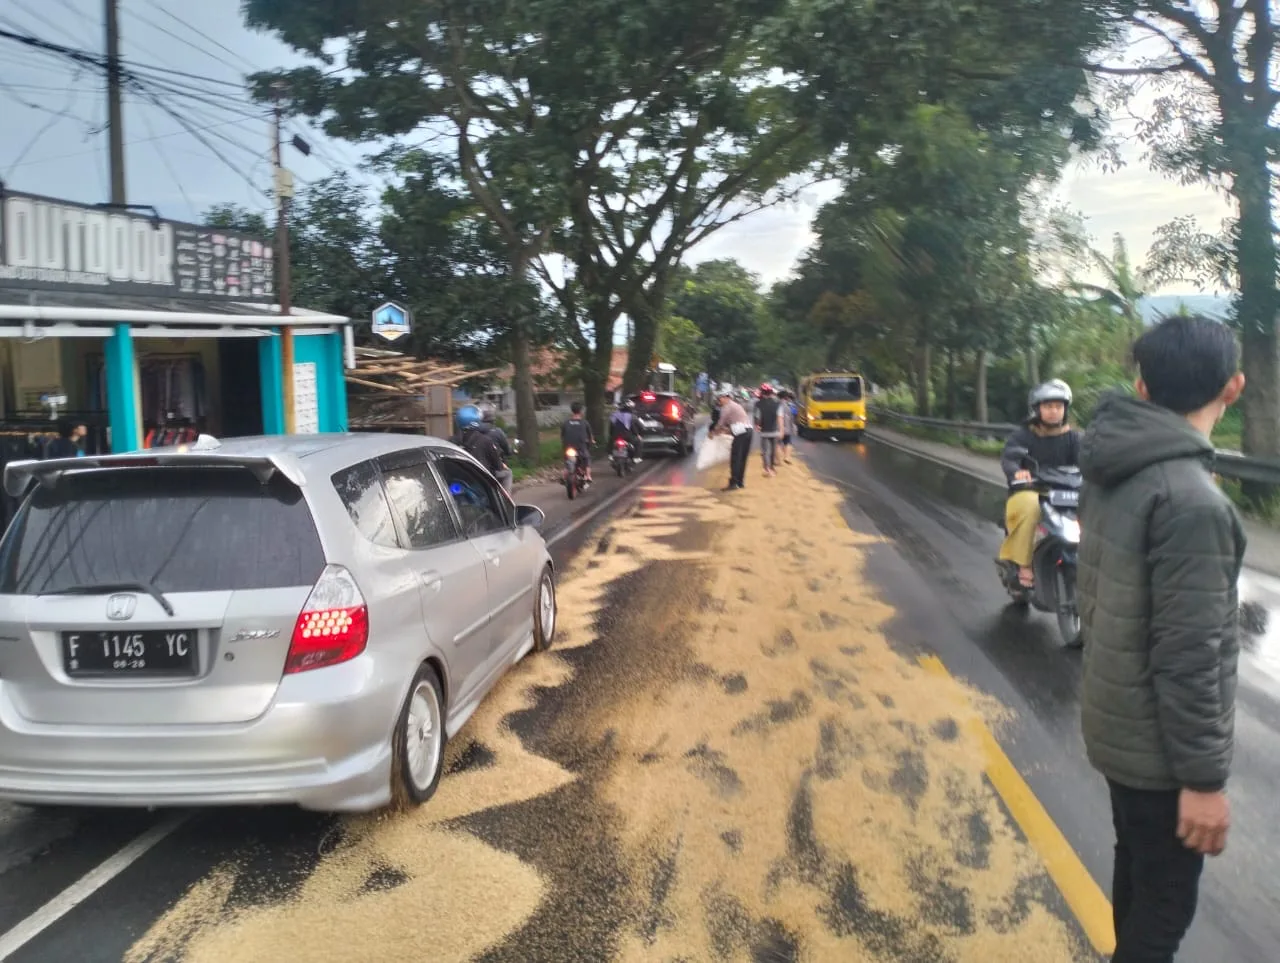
544,611
417,764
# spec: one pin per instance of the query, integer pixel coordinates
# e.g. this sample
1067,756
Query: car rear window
179,529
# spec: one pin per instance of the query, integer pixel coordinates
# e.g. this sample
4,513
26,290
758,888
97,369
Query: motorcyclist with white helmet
1052,443
622,424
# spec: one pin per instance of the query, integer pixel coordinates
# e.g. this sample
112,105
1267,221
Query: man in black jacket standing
1160,557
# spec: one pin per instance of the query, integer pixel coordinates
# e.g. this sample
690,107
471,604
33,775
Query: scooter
575,473
622,457
1055,558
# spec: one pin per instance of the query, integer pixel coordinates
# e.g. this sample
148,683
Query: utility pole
115,115
284,192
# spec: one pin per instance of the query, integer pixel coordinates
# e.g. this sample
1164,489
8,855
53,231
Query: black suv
663,420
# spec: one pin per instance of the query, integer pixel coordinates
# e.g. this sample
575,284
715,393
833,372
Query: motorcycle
621,457
575,473
1055,558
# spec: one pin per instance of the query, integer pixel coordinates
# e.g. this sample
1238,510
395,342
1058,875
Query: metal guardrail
1228,464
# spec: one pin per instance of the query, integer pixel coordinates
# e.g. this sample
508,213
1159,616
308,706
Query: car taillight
648,396
674,410
332,627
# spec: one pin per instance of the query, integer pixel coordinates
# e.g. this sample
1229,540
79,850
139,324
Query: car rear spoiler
18,475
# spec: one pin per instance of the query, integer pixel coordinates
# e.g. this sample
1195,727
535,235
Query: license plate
649,423
1064,498
147,652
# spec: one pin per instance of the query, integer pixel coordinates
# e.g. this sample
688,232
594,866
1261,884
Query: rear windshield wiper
104,587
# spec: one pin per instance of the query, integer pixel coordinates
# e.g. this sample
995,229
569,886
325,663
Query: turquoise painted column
122,395
270,362
338,375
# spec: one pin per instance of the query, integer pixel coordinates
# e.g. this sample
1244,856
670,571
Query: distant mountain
1158,306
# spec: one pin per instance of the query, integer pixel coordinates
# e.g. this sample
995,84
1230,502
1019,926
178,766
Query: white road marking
85,886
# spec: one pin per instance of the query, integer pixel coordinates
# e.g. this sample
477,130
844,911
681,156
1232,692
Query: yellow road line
1078,887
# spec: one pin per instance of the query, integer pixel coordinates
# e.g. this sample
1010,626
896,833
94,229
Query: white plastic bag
714,451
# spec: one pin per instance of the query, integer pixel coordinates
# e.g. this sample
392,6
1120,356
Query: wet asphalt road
936,573
942,579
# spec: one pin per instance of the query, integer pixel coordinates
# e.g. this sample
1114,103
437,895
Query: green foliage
723,300
680,344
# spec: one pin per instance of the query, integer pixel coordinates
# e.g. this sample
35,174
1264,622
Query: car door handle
431,580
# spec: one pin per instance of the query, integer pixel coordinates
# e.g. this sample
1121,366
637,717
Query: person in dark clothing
479,443
768,425
622,424
1051,441
67,444
1160,557
576,433
489,422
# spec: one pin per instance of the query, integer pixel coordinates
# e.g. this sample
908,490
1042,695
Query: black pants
738,459
1156,879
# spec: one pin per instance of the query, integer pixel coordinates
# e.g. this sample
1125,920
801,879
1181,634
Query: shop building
146,330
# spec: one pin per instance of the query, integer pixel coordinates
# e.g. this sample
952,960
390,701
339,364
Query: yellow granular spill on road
825,783
807,792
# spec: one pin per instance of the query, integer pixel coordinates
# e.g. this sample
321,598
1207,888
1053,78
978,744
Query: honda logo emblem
121,607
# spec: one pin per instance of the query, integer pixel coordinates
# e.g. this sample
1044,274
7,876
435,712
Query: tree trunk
596,376
1033,365
644,314
1257,303
924,363
951,385
980,411
593,398
522,373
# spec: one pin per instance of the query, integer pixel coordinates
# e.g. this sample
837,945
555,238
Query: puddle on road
723,759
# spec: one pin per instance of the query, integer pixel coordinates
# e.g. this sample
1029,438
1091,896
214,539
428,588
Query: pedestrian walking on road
735,421
1160,557
788,425
768,424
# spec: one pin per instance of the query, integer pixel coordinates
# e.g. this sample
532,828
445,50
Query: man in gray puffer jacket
1160,556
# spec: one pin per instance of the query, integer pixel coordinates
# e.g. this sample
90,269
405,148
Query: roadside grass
548,454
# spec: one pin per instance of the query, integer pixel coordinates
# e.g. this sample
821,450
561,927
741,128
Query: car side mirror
530,515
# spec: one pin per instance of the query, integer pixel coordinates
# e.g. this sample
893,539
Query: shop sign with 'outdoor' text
52,245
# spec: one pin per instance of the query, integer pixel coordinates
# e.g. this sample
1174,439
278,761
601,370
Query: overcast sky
52,113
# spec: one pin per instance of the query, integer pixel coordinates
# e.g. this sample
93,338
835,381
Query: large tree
1216,87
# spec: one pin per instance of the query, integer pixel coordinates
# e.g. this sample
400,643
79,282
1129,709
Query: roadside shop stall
147,331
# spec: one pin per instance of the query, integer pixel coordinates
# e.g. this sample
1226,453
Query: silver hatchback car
300,619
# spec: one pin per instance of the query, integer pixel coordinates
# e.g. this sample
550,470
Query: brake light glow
674,410
648,396
620,443
571,453
333,627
